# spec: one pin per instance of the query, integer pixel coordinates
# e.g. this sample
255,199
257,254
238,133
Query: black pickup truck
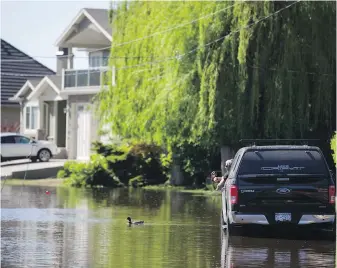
278,185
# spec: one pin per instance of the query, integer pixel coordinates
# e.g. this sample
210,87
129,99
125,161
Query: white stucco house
57,107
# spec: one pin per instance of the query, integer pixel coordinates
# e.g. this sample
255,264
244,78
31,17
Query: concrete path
17,169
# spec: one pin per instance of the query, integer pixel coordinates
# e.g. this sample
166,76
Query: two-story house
61,104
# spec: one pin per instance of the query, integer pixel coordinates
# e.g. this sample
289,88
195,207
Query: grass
59,182
35,182
180,189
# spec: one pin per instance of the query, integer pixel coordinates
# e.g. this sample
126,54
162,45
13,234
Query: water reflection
83,228
78,228
288,249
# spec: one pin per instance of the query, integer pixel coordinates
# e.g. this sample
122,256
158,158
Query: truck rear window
283,162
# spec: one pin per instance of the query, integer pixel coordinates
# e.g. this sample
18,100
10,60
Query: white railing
92,77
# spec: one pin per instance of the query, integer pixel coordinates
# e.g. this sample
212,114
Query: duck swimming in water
134,222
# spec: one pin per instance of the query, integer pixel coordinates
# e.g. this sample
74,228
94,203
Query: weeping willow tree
205,74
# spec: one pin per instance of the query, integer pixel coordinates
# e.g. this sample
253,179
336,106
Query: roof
102,17
35,81
14,63
99,17
280,147
56,79
53,81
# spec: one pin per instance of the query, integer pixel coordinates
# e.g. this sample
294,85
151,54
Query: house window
31,117
99,58
95,59
105,59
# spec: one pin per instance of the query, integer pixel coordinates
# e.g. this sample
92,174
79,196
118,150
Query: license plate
282,217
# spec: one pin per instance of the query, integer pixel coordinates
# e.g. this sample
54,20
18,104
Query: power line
23,59
245,27
86,71
94,71
290,71
179,56
135,40
176,27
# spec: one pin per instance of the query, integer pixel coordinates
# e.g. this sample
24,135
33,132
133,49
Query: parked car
278,185
16,146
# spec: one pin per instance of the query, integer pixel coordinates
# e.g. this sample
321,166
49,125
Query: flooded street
85,228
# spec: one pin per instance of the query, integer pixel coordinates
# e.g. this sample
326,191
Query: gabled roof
53,81
16,68
99,17
34,85
29,85
102,18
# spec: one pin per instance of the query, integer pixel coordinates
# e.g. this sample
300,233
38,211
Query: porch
44,112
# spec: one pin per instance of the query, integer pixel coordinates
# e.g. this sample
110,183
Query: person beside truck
221,180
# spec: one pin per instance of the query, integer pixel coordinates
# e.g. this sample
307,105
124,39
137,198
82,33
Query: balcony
82,78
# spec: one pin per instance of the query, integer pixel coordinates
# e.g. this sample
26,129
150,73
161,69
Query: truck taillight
234,194
332,194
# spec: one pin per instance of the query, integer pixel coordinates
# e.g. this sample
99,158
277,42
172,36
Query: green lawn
38,182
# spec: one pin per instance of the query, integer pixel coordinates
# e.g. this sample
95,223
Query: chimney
64,60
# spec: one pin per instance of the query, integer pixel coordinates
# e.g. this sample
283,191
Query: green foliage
273,79
138,181
136,164
67,169
333,147
89,174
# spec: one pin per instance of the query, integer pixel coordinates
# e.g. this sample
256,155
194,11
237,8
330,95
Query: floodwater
84,228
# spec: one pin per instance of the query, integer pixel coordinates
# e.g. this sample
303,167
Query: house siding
71,134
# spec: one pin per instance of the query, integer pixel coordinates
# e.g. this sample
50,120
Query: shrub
130,160
66,171
138,181
114,165
91,174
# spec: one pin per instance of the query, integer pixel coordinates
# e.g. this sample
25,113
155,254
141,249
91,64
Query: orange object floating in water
47,192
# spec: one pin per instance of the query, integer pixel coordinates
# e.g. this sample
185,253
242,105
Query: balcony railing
93,77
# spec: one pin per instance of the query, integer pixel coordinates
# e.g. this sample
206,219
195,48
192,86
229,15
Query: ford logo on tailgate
283,191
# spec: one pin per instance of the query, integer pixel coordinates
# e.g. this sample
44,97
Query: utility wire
180,56
135,40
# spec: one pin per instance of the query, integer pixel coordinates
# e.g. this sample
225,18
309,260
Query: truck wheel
231,229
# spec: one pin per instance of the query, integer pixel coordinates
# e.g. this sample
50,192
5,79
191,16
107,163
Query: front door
83,132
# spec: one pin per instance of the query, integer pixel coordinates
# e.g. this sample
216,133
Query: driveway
18,168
